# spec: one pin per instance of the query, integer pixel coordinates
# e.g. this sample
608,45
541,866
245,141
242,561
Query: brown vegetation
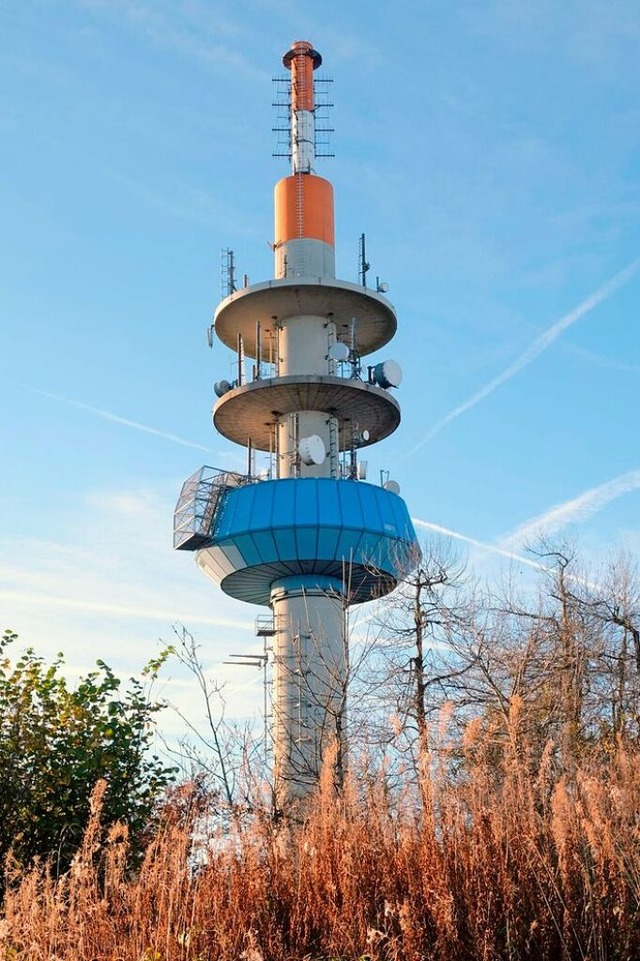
491,809
504,861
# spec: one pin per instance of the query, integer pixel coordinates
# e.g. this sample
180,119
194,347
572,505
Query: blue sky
489,150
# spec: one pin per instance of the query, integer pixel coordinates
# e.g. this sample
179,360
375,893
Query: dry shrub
481,859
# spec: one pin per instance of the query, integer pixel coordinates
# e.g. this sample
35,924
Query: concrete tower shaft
311,538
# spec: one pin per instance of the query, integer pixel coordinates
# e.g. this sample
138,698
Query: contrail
579,508
107,415
493,548
503,551
534,350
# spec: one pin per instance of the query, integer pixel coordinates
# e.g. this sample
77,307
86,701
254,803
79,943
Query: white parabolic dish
339,351
312,450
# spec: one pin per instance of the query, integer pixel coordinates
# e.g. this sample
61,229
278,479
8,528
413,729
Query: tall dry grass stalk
483,859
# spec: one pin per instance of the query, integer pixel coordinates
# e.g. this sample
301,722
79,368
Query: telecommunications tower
306,536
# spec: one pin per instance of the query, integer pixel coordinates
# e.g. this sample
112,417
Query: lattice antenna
227,273
321,112
363,265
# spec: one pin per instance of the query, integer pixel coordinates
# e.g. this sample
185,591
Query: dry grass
502,860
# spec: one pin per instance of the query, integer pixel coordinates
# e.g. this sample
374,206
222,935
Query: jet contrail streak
534,350
492,548
497,549
107,415
579,508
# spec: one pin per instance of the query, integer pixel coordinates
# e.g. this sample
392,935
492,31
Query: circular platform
342,301
250,411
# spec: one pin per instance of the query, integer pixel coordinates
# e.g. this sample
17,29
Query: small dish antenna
312,450
221,387
387,374
392,486
382,286
339,352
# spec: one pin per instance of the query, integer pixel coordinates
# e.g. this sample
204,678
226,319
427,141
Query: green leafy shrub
57,741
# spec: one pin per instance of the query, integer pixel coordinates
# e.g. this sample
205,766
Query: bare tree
228,755
561,653
565,650
407,673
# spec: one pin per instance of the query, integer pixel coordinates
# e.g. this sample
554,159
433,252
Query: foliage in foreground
509,860
56,741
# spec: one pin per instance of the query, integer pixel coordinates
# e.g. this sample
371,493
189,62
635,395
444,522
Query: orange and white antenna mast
304,225
302,60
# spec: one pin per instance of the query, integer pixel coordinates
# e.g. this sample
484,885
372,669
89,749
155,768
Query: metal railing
200,500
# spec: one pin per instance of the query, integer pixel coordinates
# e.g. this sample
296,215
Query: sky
488,149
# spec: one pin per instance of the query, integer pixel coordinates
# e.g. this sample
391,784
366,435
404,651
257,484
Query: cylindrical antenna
302,60
258,350
241,370
353,456
354,357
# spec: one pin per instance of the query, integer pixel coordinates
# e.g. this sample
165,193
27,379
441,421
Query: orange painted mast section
302,60
304,208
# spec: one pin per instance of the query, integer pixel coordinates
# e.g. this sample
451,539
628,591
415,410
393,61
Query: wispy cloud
119,610
534,350
125,421
575,510
601,361
186,202
195,30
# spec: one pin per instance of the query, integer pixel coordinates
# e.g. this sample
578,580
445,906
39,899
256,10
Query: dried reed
498,860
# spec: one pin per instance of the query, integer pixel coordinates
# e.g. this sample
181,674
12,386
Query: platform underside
253,585
276,300
250,412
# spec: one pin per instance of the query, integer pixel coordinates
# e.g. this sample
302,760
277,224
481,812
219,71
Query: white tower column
310,679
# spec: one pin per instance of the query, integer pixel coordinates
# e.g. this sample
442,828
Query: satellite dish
387,374
383,287
392,486
312,450
221,387
364,436
339,352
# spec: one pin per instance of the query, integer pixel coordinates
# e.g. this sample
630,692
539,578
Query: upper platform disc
337,300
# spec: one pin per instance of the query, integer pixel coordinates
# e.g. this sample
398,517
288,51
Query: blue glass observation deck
251,533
